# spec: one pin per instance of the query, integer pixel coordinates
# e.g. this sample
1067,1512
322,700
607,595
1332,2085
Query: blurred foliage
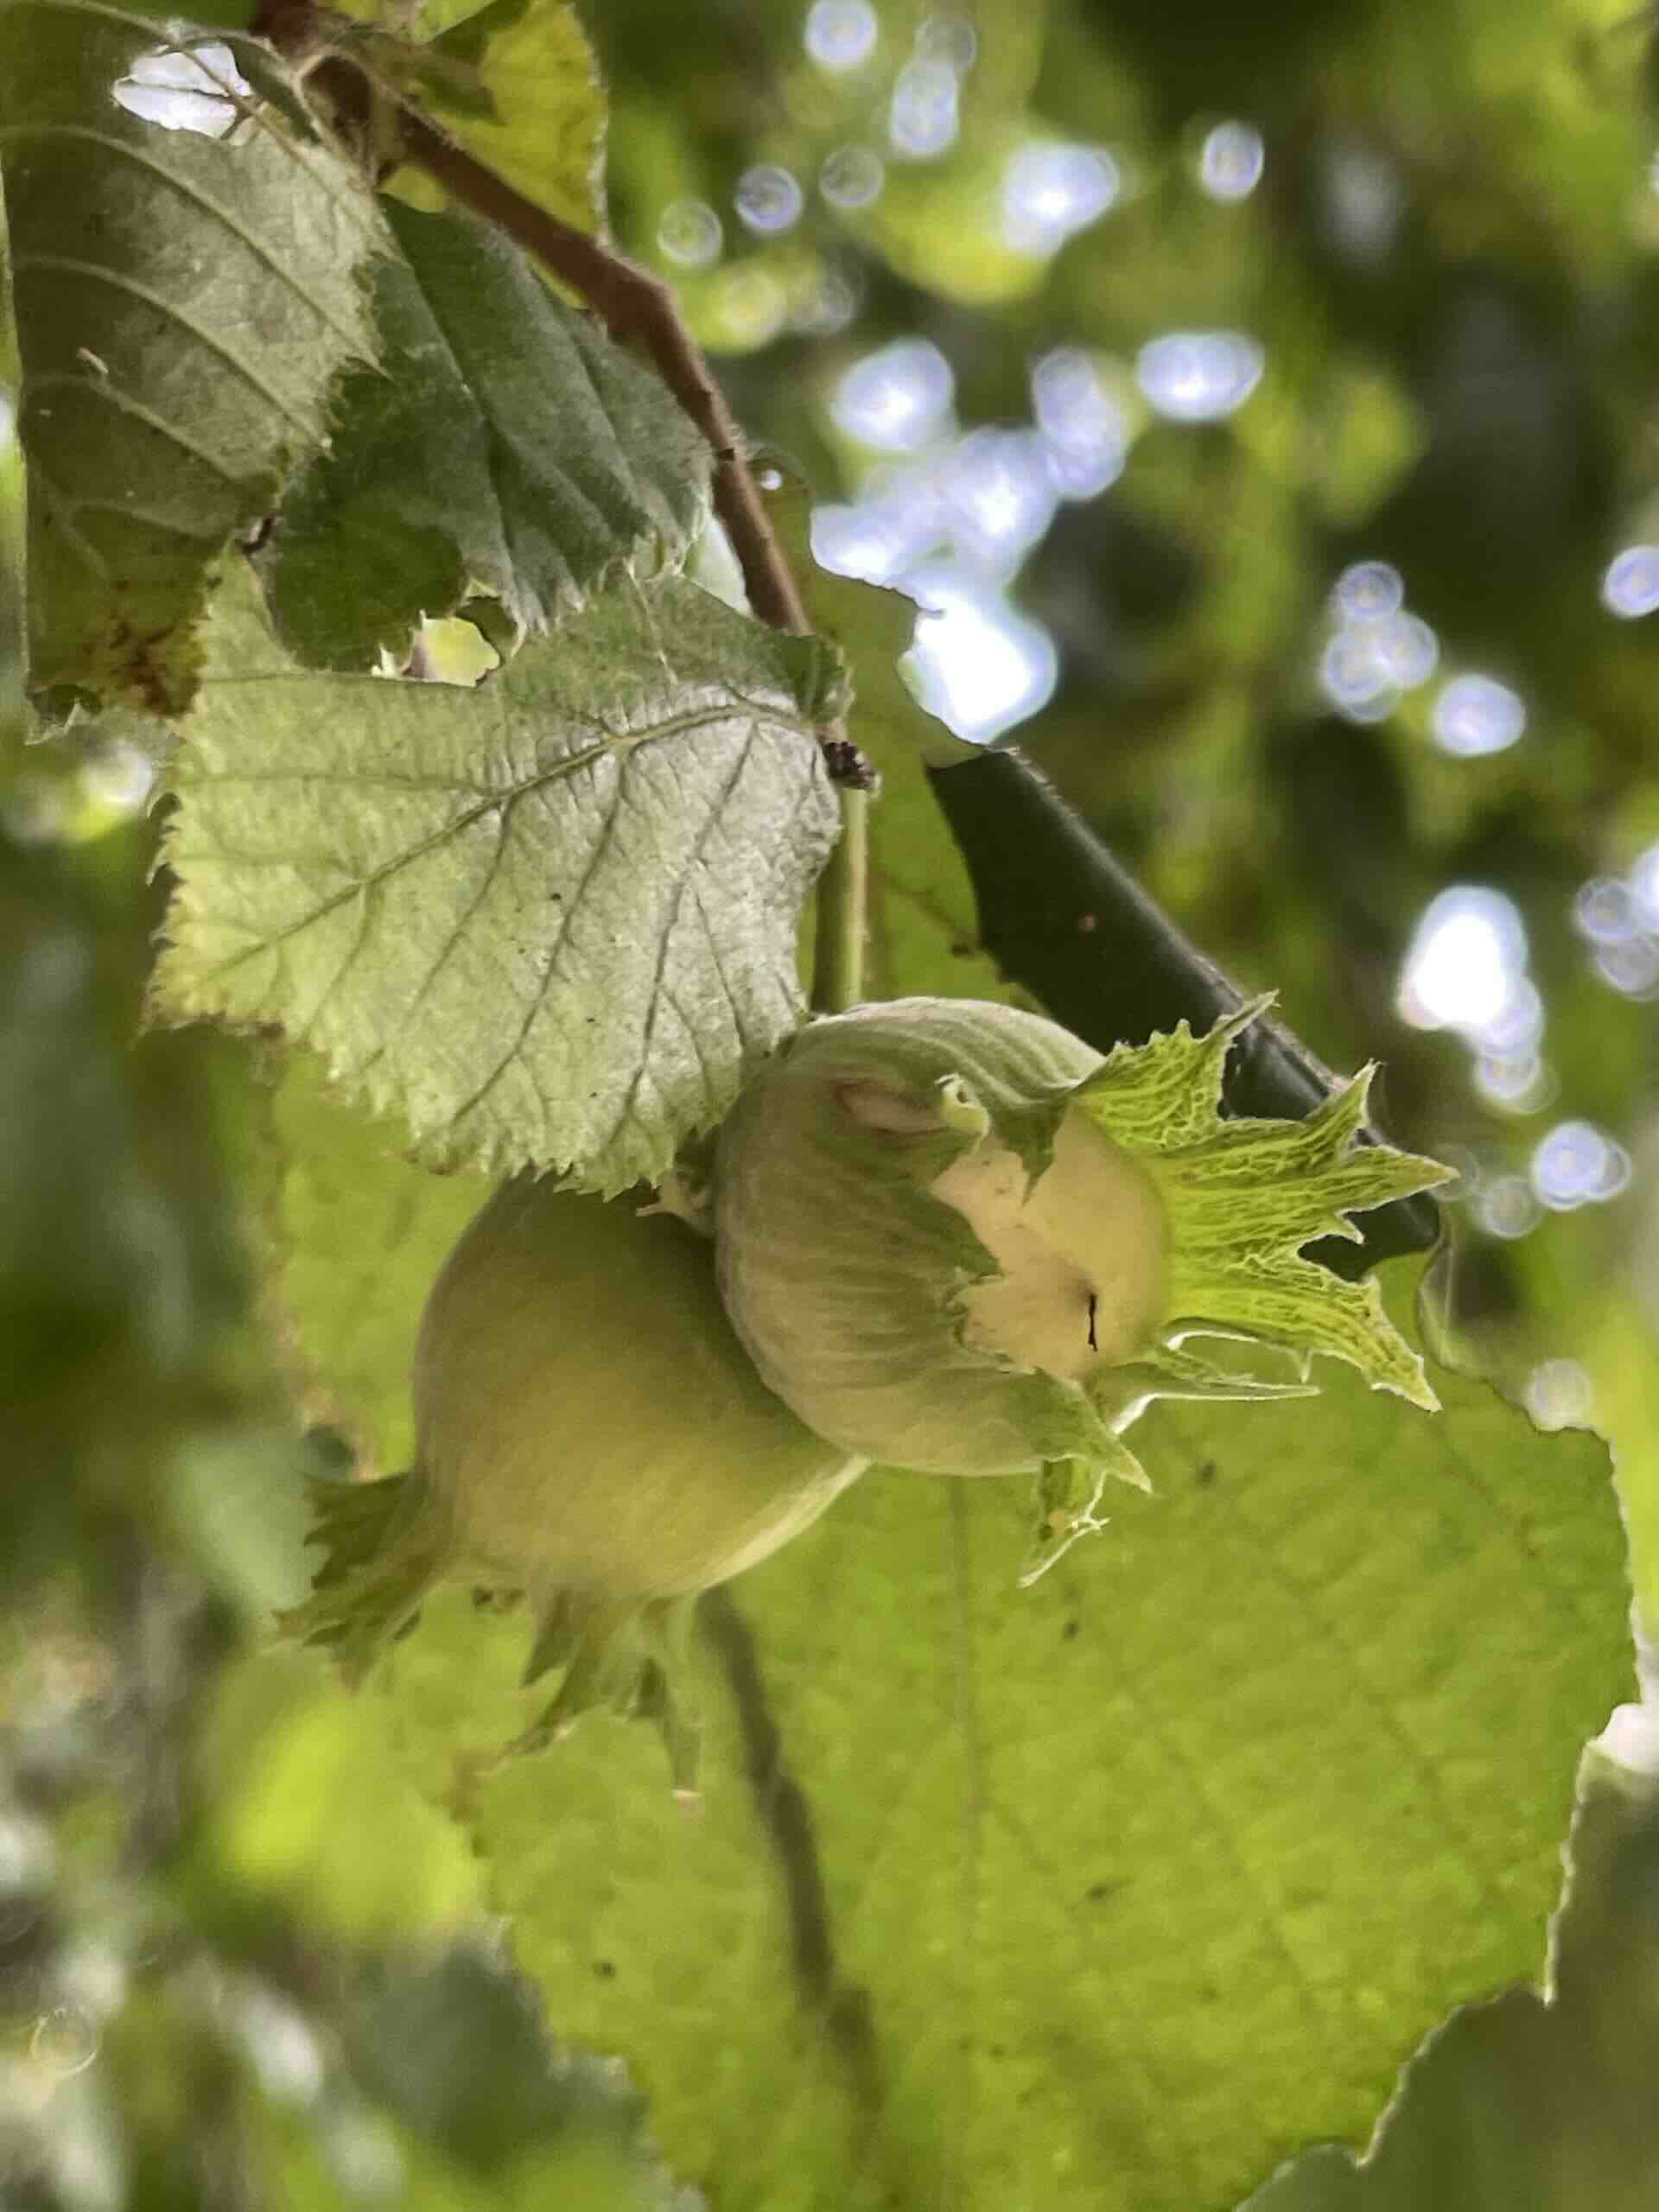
242,1959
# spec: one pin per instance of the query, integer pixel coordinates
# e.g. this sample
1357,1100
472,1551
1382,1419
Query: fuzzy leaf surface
549,922
504,442
184,302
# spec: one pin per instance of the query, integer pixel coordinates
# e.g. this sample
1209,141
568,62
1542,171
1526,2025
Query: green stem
843,900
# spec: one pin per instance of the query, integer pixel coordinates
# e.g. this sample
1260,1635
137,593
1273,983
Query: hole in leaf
199,89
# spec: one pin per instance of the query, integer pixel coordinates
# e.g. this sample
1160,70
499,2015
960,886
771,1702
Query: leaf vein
64,264
692,862
126,404
539,999
84,134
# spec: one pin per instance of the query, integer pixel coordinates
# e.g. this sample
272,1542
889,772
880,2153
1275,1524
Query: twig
843,900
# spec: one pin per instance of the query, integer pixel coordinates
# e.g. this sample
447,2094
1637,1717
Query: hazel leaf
186,252
544,129
504,444
548,922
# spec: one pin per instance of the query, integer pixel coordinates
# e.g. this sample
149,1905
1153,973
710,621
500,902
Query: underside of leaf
503,443
548,922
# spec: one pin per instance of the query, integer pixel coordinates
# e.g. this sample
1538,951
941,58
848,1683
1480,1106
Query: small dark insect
846,765
1094,1307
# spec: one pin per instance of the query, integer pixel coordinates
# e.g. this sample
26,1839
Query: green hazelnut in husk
589,1431
956,1238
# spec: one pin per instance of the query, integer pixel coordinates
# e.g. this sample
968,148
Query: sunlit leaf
1534,2099
546,137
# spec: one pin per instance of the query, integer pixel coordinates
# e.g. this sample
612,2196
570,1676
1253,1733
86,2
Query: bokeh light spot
1605,911
1051,190
1466,964
897,398
689,233
1199,376
1506,1208
1367,590
199,90
951,39
831,305
979,663
852,177
1085,430
1631,968
768,199
1001,495
65,2041
1631,586
1409,648
119,776
922,118
1475,715
1363,202
1231,160
841,33
1518,1083
1558,1394
879,538
1644,887
1576,1164
1355,678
